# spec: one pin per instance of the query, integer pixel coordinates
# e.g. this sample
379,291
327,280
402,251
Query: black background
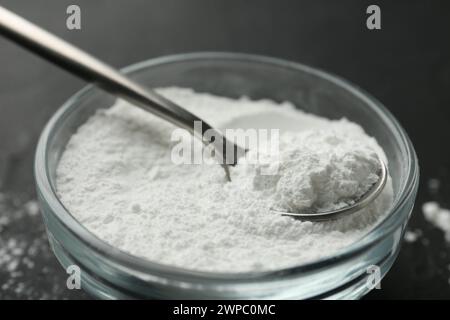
406,65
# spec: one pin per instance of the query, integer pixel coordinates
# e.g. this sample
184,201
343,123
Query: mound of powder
319,170
117,178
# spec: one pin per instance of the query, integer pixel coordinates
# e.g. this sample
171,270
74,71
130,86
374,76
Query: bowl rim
389,223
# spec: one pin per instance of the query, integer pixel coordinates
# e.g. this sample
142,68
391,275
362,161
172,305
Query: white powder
318,171
412,236
117,178
438,216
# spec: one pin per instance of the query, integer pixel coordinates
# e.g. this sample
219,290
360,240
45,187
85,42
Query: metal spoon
82,64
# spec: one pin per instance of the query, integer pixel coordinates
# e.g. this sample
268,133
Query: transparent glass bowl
110,273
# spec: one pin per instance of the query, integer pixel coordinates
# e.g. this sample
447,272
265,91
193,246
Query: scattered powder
117,178
433,185
4,221
32,207
437,216
412,236
28,269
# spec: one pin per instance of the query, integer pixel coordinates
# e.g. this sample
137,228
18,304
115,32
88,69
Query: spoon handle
82,64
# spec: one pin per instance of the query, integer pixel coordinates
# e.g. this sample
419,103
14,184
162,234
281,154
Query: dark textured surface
406,65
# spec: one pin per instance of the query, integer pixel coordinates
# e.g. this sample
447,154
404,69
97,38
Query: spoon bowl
359,204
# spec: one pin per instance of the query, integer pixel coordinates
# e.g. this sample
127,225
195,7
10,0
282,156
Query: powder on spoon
117,178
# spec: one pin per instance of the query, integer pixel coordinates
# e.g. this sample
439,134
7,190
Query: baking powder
117,178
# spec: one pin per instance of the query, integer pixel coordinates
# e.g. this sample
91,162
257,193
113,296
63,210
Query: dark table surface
406,65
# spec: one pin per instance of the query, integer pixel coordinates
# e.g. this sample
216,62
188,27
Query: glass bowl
107,272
